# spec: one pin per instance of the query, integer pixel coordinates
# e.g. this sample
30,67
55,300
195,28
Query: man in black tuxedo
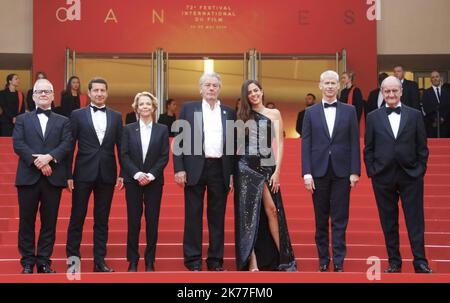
204,165
330,167
42,140
436,101
411,95
309,101
97,130
396,155
375,99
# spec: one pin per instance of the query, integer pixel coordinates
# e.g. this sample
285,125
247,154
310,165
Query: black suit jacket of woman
157,154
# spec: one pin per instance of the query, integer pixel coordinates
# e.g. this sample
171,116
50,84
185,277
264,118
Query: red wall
283,26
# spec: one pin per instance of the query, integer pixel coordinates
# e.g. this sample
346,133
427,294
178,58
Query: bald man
396,155
42,140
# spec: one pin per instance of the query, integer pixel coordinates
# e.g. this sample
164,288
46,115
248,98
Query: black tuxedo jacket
157,154
342,148
188,161
411,95
431,104
372,101
130,118
383,151
28,139
93,158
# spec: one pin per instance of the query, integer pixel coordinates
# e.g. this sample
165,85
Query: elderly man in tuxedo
205,166
330,166
396,154
42,140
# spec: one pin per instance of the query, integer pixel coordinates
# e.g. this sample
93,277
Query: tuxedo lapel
37,126
152,142
223,115
336,120
403,120
324,121
136,134
51,121
108,123
385,122
87,113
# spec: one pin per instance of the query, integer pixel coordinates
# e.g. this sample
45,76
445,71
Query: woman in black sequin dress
262,238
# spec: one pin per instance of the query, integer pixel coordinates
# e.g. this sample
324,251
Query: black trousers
103,194
45,197
212,181
410,190
331,199
137,197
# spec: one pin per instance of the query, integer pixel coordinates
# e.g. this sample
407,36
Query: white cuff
307,177
151,176
137,175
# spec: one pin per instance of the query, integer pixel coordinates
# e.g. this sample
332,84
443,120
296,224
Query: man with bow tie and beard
396,155
42,140
98,131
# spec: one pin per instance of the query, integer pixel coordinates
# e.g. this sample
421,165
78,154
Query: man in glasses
42,140
396,155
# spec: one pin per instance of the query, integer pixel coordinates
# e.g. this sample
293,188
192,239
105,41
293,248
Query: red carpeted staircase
364,235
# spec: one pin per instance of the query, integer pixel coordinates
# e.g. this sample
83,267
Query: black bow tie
390,110
95,108
326,105
42,111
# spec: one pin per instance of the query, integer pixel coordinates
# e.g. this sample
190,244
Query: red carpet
364,236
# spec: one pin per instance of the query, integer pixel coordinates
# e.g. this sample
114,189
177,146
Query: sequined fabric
252,229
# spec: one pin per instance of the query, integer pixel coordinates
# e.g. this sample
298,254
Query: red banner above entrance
211,26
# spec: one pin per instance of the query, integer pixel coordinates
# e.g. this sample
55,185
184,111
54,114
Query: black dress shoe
195,268
102,268
338,268
423,269
133,267
216,268
324,267
393,269
150,267
45,269
27,269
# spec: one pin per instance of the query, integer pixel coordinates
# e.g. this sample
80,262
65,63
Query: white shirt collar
399,105
143,125
92,104
205,103
325,101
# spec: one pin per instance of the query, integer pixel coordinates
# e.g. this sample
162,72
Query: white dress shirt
212,130
99,120
435,88
330,116
43,119
394,120
146,134
380,99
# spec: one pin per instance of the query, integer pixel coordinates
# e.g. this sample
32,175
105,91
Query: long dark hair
68,90
9,78
244,113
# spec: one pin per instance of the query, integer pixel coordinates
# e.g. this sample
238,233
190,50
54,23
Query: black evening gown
255,167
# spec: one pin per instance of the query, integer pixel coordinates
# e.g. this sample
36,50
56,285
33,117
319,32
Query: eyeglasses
45,91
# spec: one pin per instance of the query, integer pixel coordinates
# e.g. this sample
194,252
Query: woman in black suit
145,153
352,94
